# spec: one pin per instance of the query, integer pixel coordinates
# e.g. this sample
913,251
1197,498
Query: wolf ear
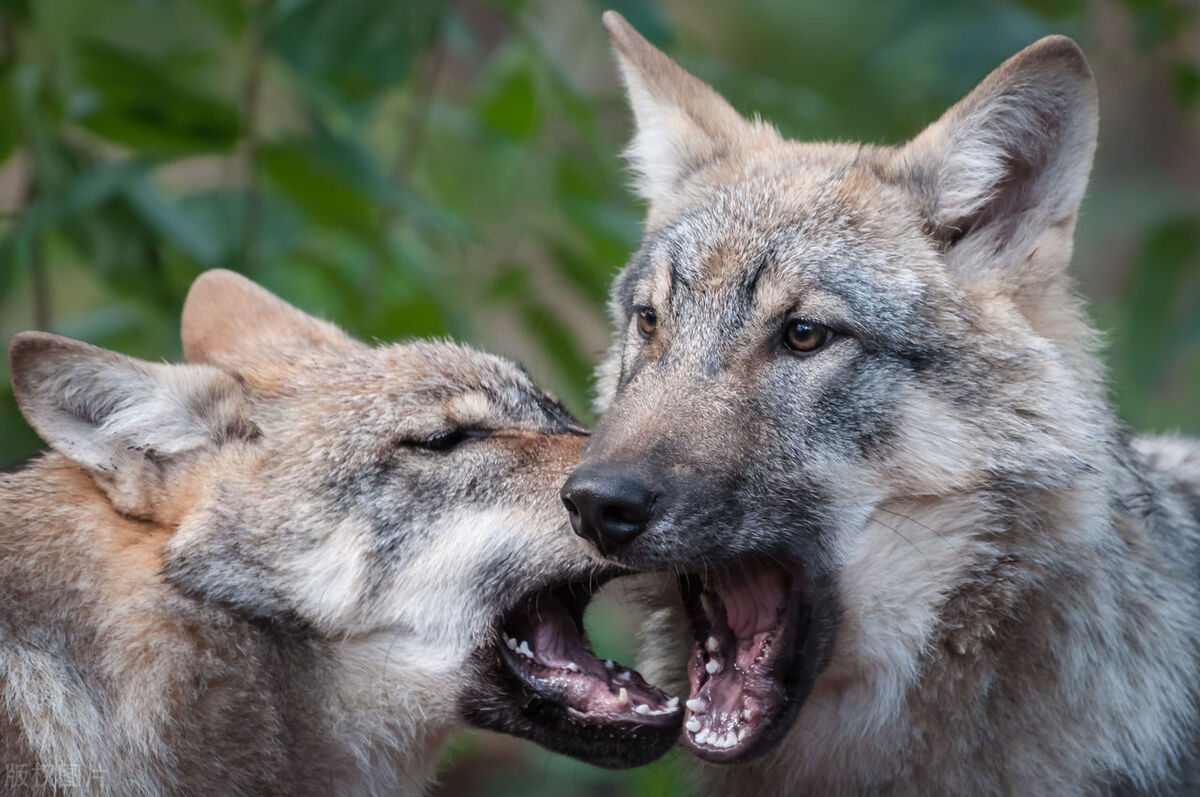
682,124
126,420
1002,173
227,319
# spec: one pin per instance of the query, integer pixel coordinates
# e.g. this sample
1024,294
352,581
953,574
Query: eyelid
445,439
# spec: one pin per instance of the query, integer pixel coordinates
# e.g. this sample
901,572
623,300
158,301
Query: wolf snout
609,506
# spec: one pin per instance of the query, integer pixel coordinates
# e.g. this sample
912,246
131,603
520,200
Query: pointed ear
1002,173
682,125
126,420
227,320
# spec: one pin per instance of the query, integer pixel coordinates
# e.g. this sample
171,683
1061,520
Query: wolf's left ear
127,421
228,320
682,124
1002,173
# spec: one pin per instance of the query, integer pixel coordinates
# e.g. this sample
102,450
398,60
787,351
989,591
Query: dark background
411,167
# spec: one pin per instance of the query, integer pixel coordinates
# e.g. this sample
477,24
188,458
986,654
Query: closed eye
443,441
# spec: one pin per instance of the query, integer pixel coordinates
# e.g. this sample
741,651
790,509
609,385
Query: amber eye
806,337
647,321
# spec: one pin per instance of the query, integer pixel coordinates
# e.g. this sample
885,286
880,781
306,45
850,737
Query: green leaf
510,105
352,49
311,174
142,104
172,221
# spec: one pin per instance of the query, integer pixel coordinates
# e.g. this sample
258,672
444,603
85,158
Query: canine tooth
623,695
673,703
713,644
695,704
608,664
512,643
741,734
712,667
642,708
692,725
572,666
524,650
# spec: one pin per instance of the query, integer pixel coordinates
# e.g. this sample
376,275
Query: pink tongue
753,598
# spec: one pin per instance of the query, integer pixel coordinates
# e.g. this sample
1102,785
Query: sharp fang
712,667
692,725
572,666
623,695
695,704
524,650
713,644
673,703
642,708
608,664
512,643
741,734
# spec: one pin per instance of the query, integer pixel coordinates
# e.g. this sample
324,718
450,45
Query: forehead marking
472,407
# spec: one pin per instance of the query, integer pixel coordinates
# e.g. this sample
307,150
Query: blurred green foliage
428,168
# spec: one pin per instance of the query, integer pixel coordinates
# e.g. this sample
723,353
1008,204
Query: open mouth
757,647
555,691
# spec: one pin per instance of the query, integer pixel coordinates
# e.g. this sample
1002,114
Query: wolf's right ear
682,124
227,319
127,421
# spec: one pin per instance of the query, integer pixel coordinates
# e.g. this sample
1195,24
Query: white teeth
702,736
712,667
572,666
694,704
673,703
746,714
608,664
642,708
623,695
524,650
713,644
623,675
730,739
692,725
741,734
512,643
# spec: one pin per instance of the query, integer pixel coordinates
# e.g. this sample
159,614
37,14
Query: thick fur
245,575
1016,577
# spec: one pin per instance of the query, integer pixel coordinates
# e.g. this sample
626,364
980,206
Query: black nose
609,506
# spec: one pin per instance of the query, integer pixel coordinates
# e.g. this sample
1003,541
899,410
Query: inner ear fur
132,424
1010,161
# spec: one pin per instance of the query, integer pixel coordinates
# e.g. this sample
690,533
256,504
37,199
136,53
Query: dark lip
806,644
507,699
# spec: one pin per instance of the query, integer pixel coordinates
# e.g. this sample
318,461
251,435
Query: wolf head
402,498
812,337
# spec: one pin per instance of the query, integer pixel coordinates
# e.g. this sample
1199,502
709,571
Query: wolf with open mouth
853,412
293,566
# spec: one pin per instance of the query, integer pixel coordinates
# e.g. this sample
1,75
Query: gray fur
1016,578
247,575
